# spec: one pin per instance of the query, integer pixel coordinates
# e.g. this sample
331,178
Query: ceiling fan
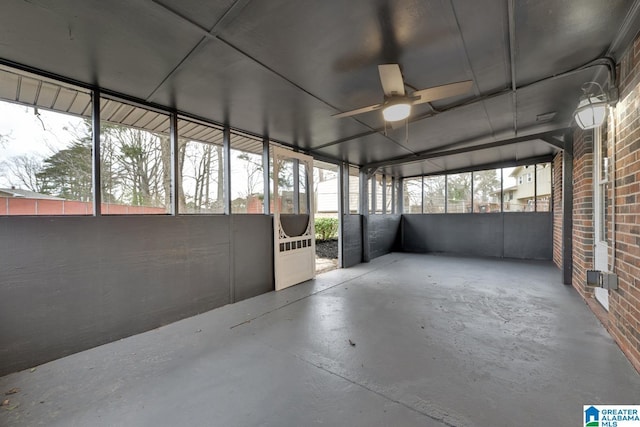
397,104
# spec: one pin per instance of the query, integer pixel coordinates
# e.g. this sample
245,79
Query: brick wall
557,210
622,129
582,210
624,123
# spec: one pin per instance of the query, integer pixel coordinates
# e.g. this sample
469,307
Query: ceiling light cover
396,112
590,112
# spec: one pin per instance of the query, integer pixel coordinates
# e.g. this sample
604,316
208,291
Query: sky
25,133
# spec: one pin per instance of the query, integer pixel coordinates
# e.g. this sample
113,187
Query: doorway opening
327,196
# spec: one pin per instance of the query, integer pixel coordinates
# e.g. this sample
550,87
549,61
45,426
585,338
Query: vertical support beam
95,141
364,214
226,148
265,176
175,169
567,210
343,205
296,186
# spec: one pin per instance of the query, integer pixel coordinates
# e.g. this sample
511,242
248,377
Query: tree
202,176
485,184
139,166
23,172
434,194
68,172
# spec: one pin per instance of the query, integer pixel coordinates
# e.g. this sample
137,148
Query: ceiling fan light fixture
396,111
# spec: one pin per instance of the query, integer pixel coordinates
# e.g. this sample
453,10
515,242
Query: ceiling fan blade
440,92
391,79
357,111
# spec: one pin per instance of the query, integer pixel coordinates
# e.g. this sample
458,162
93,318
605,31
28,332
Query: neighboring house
327,195
521,196
26,194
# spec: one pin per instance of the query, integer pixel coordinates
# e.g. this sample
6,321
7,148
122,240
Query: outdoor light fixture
592,107
396,111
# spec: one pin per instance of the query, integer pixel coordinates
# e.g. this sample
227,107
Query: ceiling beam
440,153
554,141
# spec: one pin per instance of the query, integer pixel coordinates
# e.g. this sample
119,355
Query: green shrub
326,228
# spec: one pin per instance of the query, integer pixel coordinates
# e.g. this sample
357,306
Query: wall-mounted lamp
591,110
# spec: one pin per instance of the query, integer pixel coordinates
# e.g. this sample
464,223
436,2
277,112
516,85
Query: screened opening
487,190
459,193
46,163
434,194
200,168
412,194
135,159
247,180
354,190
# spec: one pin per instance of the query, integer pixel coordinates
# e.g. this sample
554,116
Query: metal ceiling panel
219,83
445,128
205,13
483,28
364,150
333,52
558,96
31,90
241,141
281,68
554,36
125,46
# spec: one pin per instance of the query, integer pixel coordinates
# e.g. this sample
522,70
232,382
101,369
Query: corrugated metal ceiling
283,67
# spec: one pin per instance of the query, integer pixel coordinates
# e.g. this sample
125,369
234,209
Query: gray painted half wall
351,240
72,283
524,235
383,234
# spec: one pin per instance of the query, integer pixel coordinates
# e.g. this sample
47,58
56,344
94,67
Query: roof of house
26,194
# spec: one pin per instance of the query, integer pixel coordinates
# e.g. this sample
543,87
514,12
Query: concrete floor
438,341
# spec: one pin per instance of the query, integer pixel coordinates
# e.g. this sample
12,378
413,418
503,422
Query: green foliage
326,228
